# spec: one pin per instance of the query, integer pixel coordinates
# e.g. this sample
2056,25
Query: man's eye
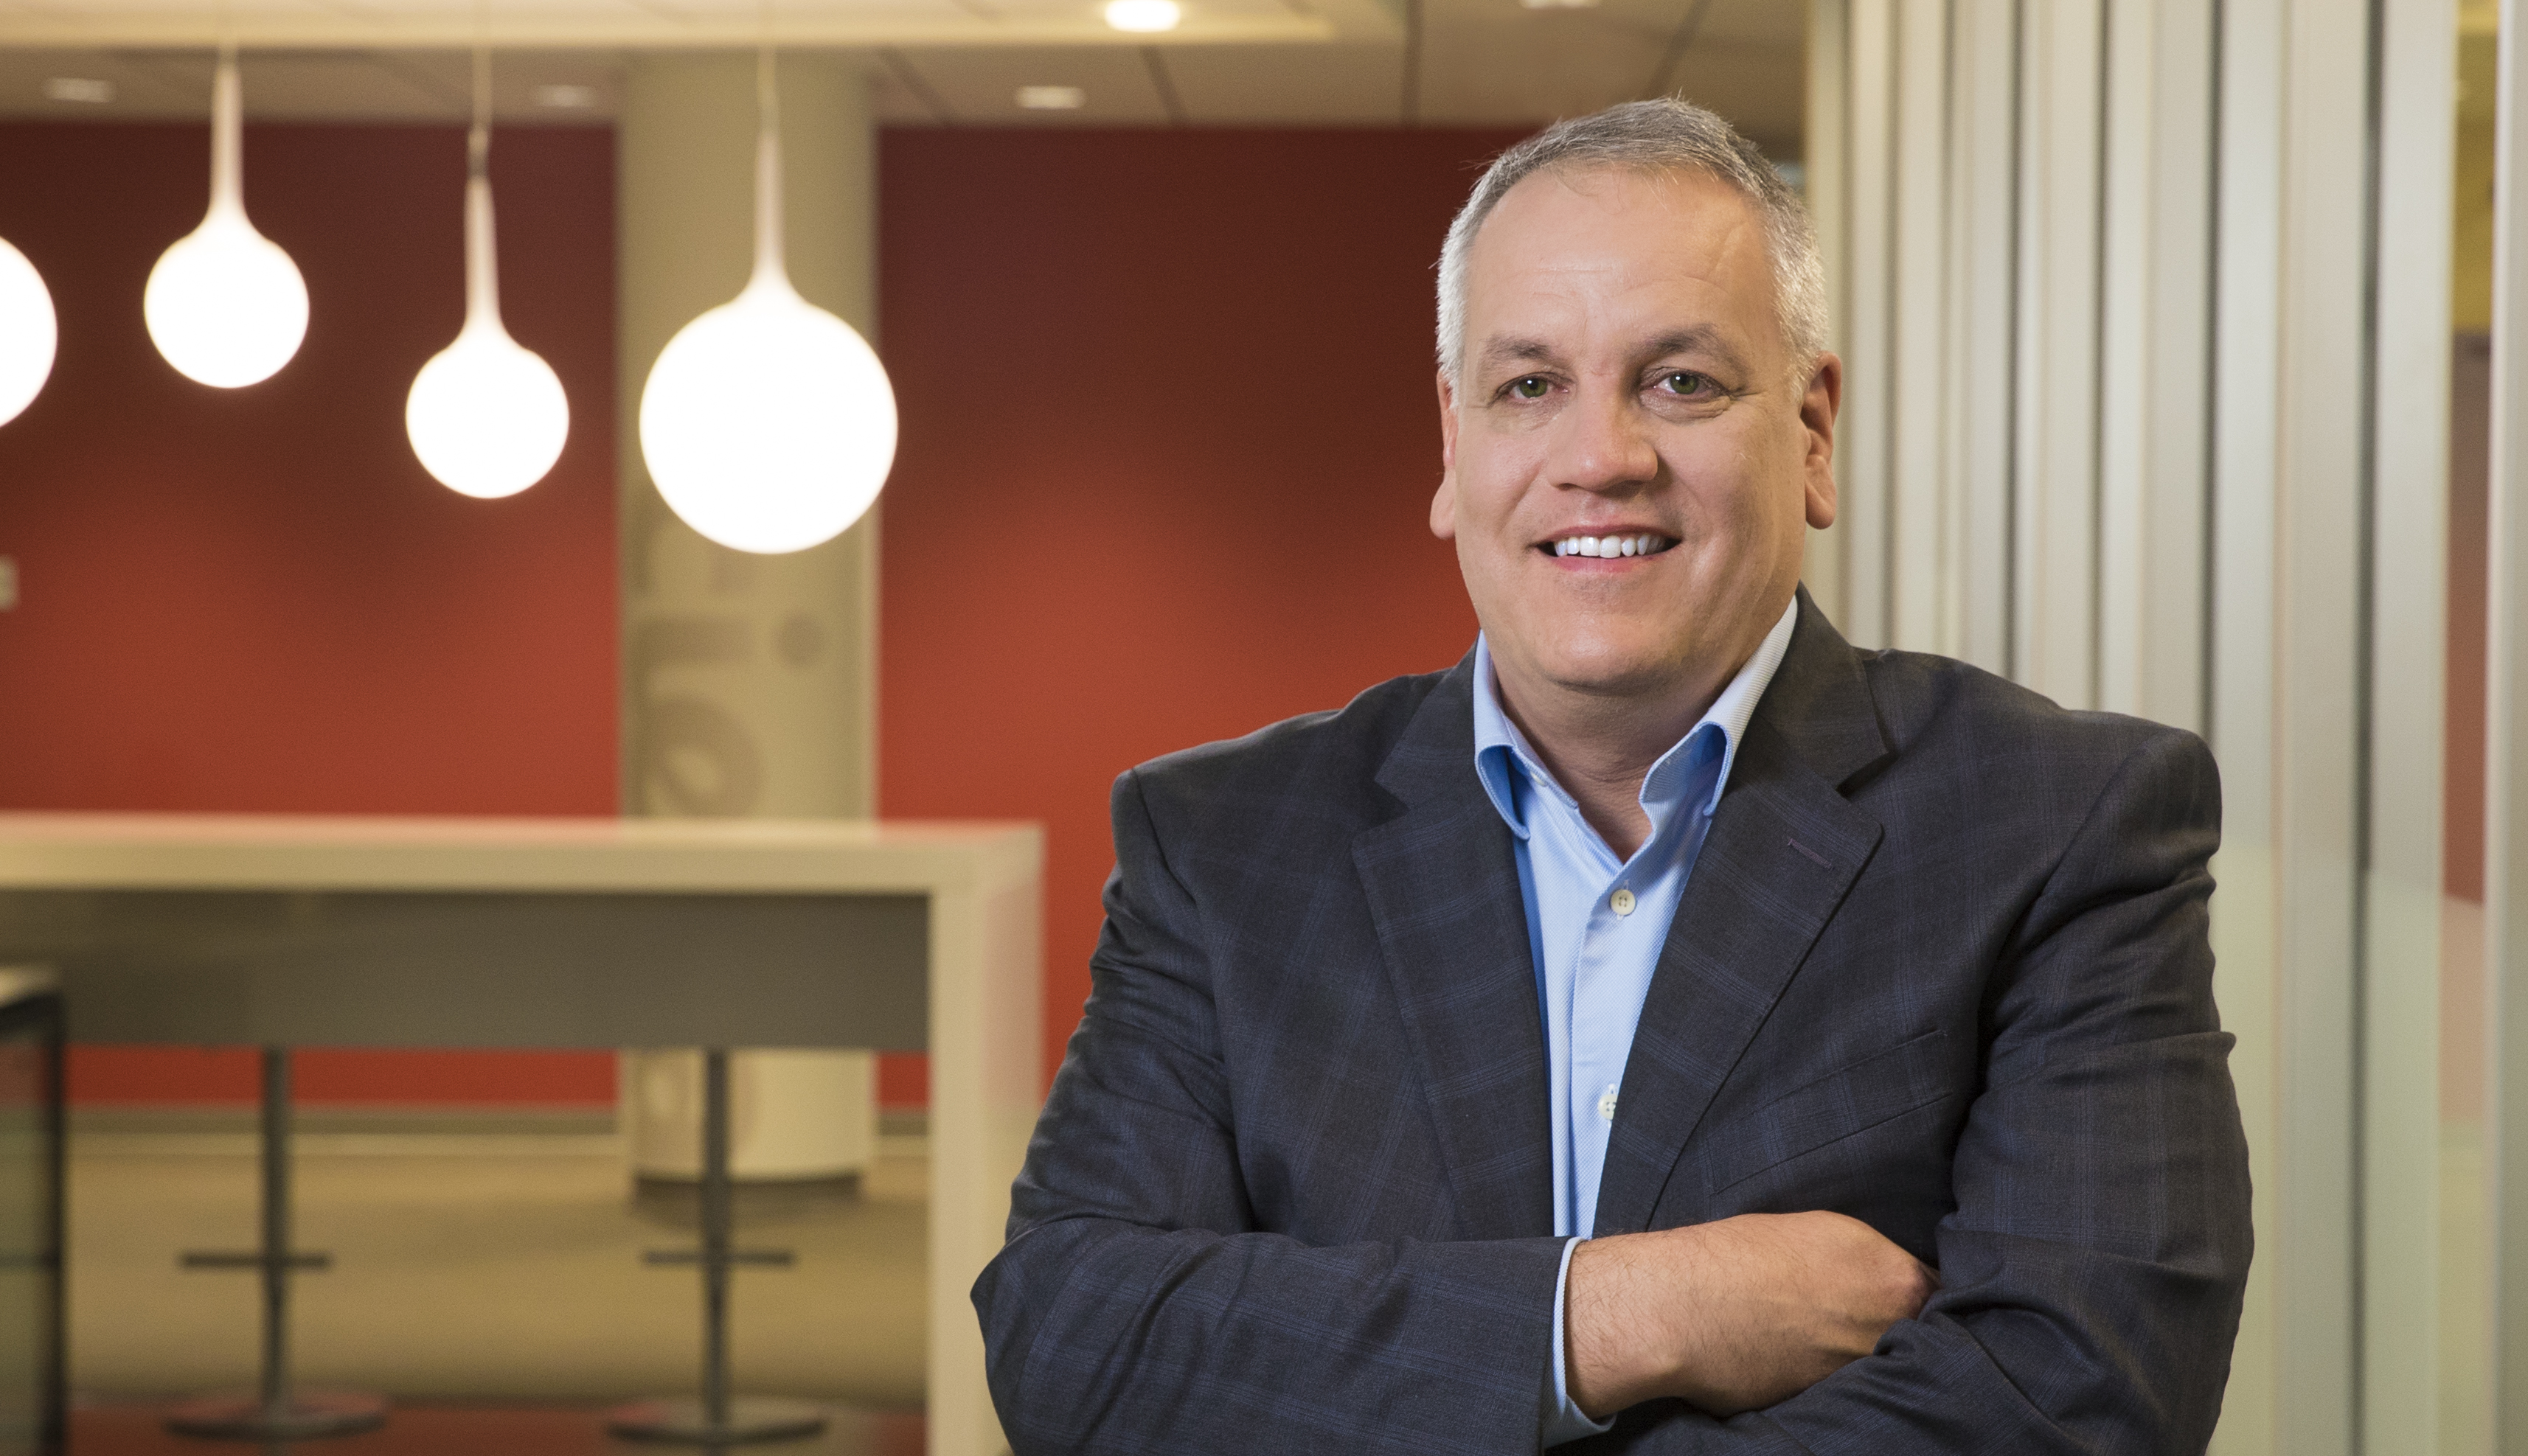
1685,381
1530,387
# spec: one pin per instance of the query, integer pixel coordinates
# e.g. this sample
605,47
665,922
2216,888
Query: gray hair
1668,134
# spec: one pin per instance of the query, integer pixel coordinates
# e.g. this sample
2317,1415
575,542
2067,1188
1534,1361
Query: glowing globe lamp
768,423
28,333
225,304
1147,17
486,416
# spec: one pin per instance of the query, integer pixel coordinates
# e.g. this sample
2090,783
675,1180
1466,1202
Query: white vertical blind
2169,438
1867,311
1828,176
1918,478
1984,229
2154,360
2055,604
2400,952
2507,745
2246,334
2321,572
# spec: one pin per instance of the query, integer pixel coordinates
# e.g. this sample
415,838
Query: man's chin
1639,675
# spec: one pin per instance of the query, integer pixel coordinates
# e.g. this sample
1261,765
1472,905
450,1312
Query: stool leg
276,1231
717,1420
717,1216
275,1412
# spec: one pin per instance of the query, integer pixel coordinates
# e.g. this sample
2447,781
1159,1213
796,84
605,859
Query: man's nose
1601,443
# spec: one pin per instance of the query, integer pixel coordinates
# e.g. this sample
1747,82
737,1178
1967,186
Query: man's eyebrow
1517,351
1699,340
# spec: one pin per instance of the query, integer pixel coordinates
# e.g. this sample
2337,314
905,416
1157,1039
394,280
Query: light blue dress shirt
1595,928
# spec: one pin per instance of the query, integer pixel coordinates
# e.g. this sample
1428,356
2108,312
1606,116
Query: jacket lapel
1442,880
1783,848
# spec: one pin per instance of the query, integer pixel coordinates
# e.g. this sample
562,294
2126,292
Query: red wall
256,599
1167,439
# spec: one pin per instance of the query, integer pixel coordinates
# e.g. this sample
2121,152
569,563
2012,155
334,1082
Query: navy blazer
1942,965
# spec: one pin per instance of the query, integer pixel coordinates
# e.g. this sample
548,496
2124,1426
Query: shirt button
1606,1103
1621,902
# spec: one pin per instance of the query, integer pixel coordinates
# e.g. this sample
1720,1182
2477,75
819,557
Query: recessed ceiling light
1144,15
79,88
1052,98
567,98
1559,4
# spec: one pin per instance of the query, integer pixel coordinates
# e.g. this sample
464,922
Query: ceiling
932,62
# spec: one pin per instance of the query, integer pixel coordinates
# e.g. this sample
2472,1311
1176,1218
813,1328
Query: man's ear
1818,410
1444,501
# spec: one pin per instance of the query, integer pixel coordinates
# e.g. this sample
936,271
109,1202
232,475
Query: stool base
305,1416
751,1419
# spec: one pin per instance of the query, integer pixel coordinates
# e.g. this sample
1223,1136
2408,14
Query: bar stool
717,1418
275,1412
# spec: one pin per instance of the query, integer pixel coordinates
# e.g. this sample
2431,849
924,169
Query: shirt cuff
1563,1421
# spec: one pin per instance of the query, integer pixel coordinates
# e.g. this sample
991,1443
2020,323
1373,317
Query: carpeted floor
475,1267
434,1430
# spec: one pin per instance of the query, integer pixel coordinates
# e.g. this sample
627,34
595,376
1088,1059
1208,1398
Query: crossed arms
1197,1264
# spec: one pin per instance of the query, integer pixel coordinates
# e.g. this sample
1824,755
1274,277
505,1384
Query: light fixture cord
478,142
482,254
228,125
768,160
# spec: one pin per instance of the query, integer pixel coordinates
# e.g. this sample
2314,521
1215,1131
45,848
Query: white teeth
1641,544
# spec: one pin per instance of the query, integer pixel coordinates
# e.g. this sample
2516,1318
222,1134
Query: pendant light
767,423
225,304
28,333
486,416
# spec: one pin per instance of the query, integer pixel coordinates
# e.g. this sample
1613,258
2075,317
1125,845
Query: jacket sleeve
2093,1269
1137,1307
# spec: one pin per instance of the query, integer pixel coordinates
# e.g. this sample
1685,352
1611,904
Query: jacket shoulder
1945,710
1316,765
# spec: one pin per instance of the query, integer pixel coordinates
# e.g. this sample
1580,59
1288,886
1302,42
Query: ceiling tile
1494,62
313,85
1289,85
981,85
1764,25
806,13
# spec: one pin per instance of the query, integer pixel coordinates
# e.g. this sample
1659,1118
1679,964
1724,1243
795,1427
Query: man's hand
1731,1316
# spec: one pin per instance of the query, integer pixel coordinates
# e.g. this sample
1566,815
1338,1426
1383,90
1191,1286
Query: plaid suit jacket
1942,965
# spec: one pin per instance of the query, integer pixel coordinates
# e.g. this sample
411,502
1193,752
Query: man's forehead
1686,236
1581,204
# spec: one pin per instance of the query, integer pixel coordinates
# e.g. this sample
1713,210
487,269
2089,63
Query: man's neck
1600,746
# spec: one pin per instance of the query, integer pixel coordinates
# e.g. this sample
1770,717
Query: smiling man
1671,1030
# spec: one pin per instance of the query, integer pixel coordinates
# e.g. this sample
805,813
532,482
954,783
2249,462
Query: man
1858,1004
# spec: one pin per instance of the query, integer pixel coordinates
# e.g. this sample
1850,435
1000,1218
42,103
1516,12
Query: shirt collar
1505,763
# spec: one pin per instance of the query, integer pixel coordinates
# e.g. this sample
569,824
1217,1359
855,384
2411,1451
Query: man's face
1624,381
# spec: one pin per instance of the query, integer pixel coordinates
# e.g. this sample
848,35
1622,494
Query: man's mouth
1629,543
